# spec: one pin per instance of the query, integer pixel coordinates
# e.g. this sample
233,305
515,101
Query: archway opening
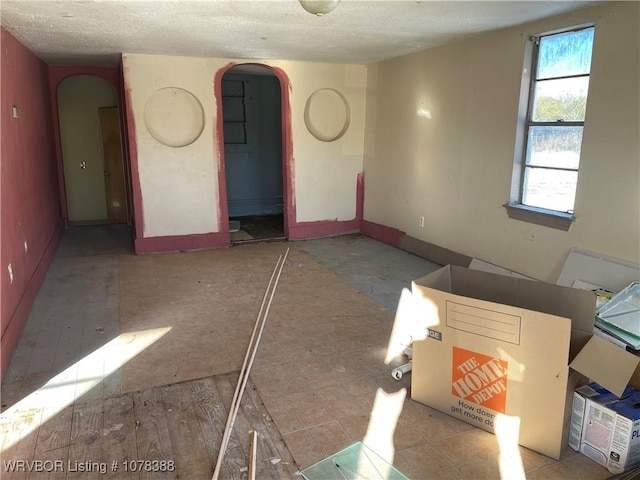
254,154
92,154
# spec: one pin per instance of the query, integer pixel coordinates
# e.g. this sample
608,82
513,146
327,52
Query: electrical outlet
421,222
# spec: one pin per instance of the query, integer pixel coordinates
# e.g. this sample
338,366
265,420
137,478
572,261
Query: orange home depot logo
480,379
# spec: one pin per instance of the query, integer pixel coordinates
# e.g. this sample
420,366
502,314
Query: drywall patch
327,114
174,117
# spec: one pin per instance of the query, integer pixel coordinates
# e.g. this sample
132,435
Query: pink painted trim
288,190
122,100
223,206
385,234
323,228
360,197
14,328
56,75
53,99
288,172
136,188
181,242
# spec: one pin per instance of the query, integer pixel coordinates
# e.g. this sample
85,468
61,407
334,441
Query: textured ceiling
88,33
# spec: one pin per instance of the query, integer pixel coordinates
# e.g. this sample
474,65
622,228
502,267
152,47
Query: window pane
562,99
551,189
565,54
557,147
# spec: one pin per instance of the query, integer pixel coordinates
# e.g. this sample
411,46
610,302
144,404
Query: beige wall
79,98
326,172
455,168
180,185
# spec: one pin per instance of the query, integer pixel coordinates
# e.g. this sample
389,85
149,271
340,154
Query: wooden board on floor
191,457
54,433
212,411
152,432
19,438
119,434
85,444
274,458
180,425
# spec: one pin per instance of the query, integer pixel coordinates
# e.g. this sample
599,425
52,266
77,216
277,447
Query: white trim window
552,135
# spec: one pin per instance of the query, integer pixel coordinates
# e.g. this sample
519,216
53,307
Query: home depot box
498,351
606,428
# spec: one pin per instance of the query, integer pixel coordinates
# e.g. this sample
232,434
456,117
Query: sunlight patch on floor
383,421
69,385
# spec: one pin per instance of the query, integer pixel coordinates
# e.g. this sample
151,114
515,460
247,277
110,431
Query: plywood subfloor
180,423
208,301
320,370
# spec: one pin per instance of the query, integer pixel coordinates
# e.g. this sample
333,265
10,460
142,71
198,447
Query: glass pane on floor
357,462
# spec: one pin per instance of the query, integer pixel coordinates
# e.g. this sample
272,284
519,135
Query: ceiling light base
319,7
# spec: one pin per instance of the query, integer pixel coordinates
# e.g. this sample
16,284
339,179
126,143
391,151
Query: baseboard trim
434,253
177,243
325,228
20,315
385,234
429,251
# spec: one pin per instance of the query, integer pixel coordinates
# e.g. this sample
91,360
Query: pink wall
29,195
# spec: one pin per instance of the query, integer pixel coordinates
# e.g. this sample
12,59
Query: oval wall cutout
327,114
174,117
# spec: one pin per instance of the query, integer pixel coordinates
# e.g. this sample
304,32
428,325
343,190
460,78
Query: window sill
540,216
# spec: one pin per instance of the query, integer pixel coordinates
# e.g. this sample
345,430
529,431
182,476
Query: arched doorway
253,152
91,151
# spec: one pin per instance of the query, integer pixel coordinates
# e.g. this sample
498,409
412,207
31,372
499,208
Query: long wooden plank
152,434
119,434
85,446
247,419
189,446
253,455
210,413
235,460
252,348
274,459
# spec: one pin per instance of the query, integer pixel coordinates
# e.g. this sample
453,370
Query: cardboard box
498,349
606,428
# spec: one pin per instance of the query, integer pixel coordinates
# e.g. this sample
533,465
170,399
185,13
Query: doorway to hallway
252,130
92,154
